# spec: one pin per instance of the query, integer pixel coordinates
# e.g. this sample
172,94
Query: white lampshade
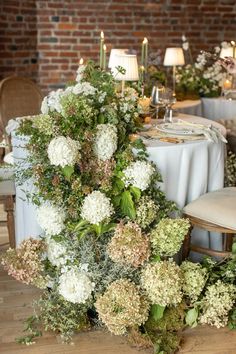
130,64
113,56
226,52
174,57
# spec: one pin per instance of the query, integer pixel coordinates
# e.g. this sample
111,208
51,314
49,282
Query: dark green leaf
127,205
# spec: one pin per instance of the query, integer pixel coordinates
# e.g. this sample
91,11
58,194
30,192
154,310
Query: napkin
209,131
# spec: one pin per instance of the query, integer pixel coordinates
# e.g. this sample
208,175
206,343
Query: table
193,107
218,108
188,170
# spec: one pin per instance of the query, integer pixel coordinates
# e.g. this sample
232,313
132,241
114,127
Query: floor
15,306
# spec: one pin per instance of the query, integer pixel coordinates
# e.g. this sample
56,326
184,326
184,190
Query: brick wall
18,38
69,29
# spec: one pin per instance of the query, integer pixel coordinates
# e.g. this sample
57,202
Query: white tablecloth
192,107
218,108
188,171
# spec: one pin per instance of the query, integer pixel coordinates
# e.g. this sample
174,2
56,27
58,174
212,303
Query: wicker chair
214,211
18,97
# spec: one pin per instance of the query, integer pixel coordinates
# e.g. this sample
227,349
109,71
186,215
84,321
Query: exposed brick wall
69,29
18,38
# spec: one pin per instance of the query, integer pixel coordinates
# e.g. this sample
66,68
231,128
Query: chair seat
218,207
7,188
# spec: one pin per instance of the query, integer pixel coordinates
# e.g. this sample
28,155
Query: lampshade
113,56
174,57
130,64
226,52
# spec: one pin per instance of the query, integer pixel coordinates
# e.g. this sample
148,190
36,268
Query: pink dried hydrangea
128,245
25,262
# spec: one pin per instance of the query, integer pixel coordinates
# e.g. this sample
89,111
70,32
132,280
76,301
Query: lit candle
81,62
233,44
227,84
104,56
101,49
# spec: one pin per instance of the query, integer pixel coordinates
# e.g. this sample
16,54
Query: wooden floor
15,306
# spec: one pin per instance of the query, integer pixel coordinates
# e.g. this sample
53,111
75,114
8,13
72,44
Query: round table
192,107
188,170
218,108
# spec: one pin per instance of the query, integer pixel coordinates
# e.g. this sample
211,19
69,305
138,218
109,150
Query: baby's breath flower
146,211
216,304
168,235
162,282
194,279
96,208
128,245
139,174
122,306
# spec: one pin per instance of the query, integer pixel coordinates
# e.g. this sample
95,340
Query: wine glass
167,99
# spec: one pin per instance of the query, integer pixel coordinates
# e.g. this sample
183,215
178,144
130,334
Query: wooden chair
214,211
7,196
18,97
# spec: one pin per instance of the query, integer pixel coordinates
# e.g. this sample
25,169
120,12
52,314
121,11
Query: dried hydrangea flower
122,306
162,282
128,245
146,211
168,235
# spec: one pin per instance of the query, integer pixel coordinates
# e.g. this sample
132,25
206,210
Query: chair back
18,97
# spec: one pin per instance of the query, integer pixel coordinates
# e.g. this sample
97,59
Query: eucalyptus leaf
127,205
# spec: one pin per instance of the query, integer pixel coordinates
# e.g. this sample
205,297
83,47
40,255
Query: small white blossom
80,72
56,252
105,141
139,174
51,219
96,207
185,46
63,151
75,286
84,88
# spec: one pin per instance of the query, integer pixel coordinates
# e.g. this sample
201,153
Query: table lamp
174,57
226,52
130,64
113,56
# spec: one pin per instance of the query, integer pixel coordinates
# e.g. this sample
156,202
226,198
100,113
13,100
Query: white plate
172,128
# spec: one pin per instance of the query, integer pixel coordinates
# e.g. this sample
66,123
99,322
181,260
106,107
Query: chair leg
228,242
9,208
186,244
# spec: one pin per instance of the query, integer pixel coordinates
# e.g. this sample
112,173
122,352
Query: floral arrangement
104,254
204,77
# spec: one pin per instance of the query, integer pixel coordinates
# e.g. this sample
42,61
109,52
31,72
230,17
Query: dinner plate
176,129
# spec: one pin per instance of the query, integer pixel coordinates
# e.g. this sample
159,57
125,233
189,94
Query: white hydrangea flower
80,72
63,151
75,286
51,219
56,252
139,174
105,141
84,88
96,207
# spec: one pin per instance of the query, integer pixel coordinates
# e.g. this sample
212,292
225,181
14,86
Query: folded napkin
209,131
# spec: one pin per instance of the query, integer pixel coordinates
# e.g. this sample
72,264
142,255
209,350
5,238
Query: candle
142,54
104,57
142,73
227,84
233,44
81,62
145,41
101,49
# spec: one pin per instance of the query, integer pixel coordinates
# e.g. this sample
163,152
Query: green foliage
191,317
